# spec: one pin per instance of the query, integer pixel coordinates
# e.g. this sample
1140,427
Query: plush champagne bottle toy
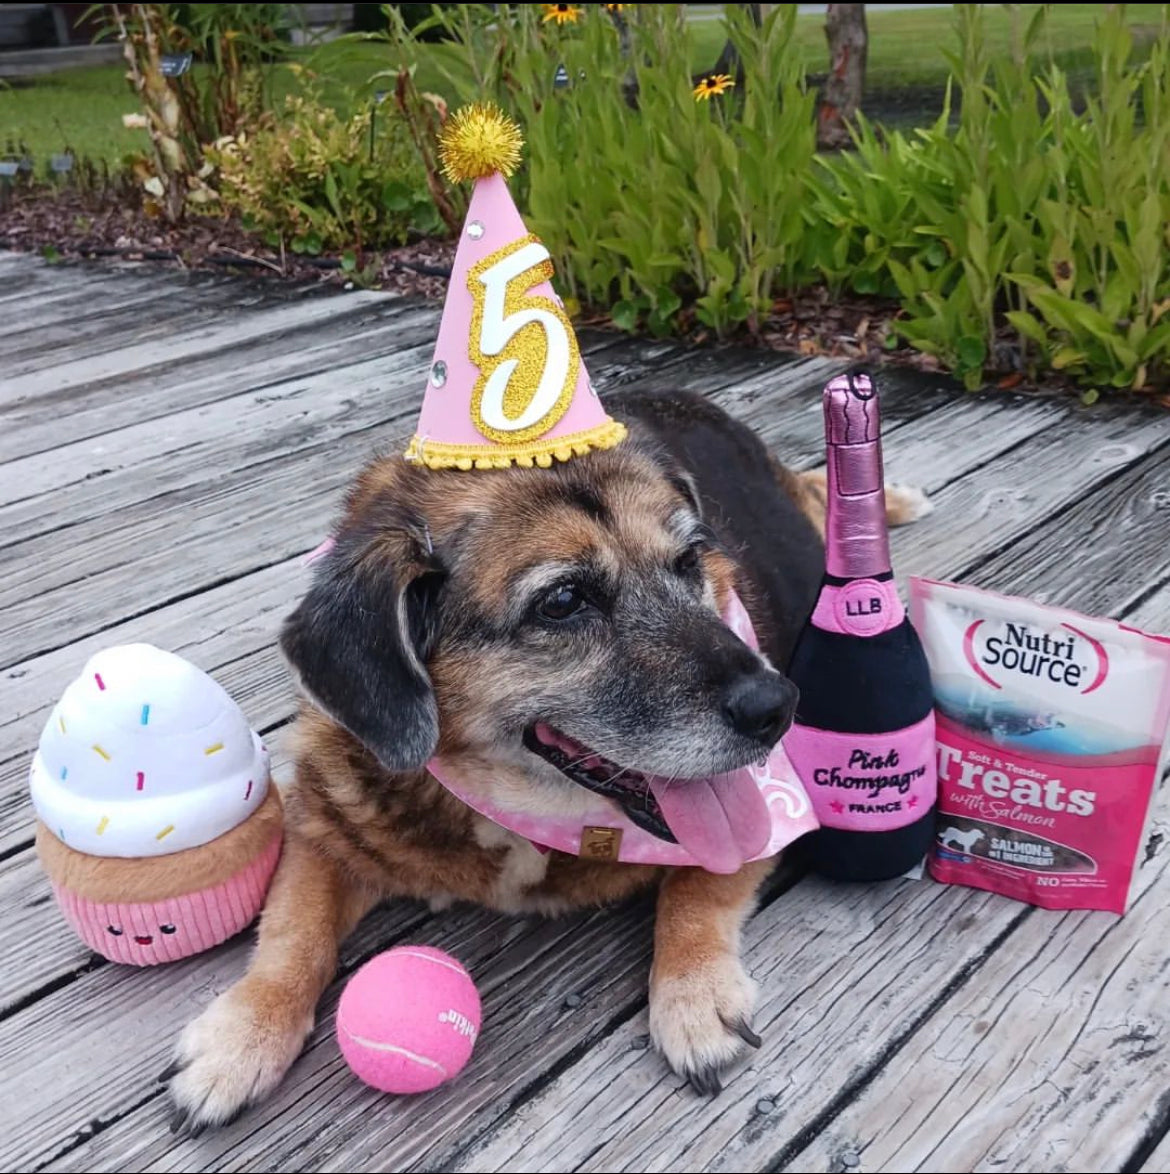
863,738
157,822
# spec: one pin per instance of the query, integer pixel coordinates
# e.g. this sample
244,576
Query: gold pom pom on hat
479,140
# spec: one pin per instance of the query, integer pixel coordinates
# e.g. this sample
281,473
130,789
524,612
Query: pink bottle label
867,782
864,607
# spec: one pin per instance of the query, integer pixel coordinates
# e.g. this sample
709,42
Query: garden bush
314,180
668,201
1028,232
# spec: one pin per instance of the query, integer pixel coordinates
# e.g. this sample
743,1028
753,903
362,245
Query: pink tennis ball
408,1019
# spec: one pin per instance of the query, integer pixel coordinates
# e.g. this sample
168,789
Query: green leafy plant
1030,232
312,180
661,204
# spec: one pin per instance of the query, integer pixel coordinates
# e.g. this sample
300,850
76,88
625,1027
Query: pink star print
912,801
837,806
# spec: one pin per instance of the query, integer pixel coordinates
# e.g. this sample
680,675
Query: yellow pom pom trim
436,455
477,141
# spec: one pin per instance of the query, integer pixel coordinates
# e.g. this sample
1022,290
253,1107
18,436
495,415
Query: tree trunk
848,39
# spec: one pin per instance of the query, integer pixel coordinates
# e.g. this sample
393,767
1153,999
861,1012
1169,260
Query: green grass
83,108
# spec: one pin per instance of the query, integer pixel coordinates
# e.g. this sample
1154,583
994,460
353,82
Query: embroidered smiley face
141,939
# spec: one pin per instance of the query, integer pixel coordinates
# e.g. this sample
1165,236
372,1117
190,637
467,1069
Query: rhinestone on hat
439,373
475,229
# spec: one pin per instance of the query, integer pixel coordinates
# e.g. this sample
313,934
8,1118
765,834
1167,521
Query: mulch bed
69,224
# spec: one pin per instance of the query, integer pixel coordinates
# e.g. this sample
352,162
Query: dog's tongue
721,821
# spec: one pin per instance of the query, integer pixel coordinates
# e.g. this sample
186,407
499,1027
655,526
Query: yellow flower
711,84
561,13
612,8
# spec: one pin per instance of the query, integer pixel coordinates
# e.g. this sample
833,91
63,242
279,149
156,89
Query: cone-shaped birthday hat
506,384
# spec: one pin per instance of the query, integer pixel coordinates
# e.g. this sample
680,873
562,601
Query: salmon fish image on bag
1051,730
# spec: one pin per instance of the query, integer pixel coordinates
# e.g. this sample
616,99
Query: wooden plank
167,316
1010,494
26,277
846,973
1159,1160
144,357
244,520
318,1112
92,476
265,357
84,296
1153,613
89,479
1054,1056
37,947
94,328
1124,526
120,1022
443,1123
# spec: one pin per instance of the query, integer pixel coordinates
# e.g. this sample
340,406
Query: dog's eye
687,563
563,601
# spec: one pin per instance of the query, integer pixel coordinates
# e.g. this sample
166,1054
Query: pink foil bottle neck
857,544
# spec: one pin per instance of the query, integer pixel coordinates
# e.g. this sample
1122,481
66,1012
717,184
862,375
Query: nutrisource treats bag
1051,728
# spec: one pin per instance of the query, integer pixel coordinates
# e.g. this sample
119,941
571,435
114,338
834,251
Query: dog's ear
360,640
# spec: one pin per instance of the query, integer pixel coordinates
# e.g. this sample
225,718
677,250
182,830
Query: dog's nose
760,706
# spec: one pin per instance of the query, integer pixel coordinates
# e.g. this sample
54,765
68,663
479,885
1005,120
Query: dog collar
603,832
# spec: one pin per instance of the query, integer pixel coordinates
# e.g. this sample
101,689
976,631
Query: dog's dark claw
743,1029
706,1082
178,1120
170,1072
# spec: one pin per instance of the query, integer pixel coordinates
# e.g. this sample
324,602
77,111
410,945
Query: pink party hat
507,384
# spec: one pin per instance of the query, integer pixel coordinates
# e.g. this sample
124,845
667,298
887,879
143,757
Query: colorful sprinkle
165,832
99,750
145,714
61,722
64,773
248,792
61,834
141,780
105,823
100,683
214,749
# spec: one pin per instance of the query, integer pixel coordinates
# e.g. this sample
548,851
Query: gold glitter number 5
522,344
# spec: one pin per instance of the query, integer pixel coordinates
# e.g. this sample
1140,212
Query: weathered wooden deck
171,447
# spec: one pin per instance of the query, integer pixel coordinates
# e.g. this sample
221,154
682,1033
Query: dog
473,613
961,841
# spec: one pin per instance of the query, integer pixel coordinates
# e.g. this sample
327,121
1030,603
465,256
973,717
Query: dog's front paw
233,1055
700,1019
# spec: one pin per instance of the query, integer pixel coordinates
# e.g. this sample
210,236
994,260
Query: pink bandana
605,833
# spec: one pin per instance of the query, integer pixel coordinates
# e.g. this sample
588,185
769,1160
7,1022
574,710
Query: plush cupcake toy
157,822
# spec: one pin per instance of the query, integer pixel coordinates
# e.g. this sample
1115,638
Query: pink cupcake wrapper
196,921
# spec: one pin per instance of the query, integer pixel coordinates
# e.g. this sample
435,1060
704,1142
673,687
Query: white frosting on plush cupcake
145,755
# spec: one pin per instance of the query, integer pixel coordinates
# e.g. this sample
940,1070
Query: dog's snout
760,706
